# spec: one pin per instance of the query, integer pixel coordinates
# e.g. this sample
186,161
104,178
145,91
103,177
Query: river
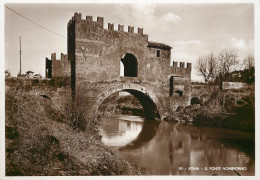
164,148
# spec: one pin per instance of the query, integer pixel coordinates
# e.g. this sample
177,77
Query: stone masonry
96,53
57,68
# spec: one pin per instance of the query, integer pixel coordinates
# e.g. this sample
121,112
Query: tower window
158,53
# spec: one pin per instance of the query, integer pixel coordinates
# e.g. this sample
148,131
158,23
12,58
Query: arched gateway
95,53
151,105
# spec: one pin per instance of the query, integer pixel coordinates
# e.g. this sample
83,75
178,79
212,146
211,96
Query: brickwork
57,67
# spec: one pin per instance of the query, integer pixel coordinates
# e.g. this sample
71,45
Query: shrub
77,114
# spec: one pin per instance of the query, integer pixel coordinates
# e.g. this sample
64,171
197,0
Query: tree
249,62
227,61
207,66
249,71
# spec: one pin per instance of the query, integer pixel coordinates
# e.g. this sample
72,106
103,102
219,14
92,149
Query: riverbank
41,139
231,109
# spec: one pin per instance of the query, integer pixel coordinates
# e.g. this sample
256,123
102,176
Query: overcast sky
191,29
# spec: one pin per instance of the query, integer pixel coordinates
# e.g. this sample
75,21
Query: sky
192,30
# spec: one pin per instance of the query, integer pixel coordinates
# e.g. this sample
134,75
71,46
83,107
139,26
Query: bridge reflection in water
122,130
162,148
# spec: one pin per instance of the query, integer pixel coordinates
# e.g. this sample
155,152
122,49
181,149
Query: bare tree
249,62
228,61
207,66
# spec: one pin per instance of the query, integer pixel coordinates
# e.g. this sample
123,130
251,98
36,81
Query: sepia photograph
129,89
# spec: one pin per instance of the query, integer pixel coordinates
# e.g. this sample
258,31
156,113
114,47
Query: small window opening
179,92
158,53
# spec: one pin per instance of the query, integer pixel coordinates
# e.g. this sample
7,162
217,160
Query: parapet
57,67
131,29
100,22
181,70
120,27
110,26
53,56
63,57
181,65
140,31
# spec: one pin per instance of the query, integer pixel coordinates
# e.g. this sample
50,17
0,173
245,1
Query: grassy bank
232,109
45,138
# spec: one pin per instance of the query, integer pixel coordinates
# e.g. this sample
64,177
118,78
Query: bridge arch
151,105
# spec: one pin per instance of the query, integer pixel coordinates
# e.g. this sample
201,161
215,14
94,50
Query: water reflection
177,149
122,130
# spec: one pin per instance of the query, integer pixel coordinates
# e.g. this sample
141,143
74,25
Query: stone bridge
104,61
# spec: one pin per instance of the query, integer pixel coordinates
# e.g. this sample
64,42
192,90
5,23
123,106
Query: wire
34,22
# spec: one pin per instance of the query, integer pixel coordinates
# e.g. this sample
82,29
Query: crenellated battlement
63,57
57,67
120,27
181,68
177,64
110,26
131,29
100,22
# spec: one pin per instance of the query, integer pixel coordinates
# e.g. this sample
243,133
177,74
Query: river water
164,148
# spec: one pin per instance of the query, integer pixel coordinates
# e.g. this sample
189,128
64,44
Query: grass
43,138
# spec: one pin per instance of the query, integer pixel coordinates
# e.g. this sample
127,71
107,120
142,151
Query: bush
77,115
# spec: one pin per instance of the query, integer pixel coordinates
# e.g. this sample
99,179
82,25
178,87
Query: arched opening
123,128
180,93
195,100
128,66
149,108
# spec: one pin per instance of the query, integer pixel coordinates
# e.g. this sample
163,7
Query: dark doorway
130,65
171,86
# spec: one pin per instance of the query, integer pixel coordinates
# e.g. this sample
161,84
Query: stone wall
234,85
58,67
95,54
97,50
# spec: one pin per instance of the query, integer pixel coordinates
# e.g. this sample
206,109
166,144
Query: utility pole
20,58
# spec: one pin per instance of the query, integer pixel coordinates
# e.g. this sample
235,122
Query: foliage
77,114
